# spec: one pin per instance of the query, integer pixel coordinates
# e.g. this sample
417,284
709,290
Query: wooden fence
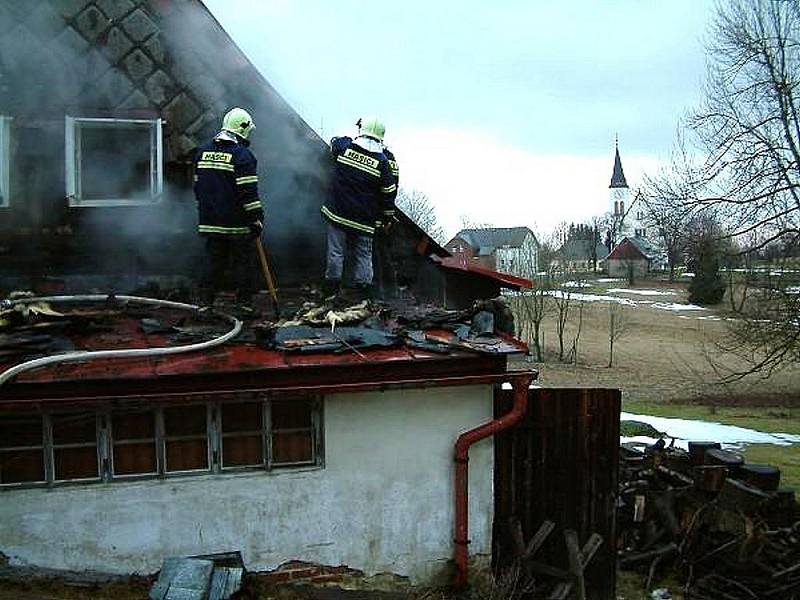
556,473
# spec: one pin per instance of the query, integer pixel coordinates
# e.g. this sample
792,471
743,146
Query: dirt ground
663,355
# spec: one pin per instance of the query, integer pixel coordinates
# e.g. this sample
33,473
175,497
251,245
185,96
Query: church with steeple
627,226
626,217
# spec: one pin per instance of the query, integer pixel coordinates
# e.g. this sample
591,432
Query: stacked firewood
724,525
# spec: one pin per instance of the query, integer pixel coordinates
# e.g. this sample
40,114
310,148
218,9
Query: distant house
582,251
633,257
512,250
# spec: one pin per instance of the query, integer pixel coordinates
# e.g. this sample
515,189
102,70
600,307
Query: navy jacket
363,187
226,188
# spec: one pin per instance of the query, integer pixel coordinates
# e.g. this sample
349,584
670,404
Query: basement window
5,161
74,446
113,162
134,442
186,438
21,450
292,432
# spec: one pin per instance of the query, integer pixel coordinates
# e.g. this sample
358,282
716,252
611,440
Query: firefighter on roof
362,200
229,209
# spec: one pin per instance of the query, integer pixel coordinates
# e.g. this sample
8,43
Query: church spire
617,176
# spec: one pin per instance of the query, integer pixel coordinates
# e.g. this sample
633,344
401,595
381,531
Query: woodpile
727,527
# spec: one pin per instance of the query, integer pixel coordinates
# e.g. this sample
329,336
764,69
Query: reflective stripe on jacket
226,188
363,187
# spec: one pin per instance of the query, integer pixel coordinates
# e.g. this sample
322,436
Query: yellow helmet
238,121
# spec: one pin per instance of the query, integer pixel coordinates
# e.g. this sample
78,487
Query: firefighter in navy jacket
229,208
362,200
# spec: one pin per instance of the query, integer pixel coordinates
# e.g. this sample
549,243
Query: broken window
113,162
134,442
5,161
186,438
21,449
75,446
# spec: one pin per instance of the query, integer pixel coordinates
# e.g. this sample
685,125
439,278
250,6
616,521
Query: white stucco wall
382,502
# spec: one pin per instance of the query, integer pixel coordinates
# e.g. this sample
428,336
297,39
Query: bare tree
669,202
419,208
617,326
531,306
562,299
468,222
573,351
749,130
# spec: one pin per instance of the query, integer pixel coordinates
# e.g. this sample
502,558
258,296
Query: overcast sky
504,112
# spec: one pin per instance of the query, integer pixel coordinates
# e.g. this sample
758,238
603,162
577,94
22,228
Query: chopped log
731,460
709,478
740,496
764,477
697,451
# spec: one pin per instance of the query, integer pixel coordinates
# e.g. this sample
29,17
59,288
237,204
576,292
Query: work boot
331,288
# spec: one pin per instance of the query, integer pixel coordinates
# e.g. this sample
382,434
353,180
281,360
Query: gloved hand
256,227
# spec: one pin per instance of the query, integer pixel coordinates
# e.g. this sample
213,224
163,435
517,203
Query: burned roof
486,239
320,339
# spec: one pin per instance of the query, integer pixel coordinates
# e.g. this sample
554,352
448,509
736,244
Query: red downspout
520,384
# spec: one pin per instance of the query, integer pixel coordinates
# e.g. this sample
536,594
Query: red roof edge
459,263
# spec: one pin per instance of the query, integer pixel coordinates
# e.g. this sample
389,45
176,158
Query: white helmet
371,127
238,121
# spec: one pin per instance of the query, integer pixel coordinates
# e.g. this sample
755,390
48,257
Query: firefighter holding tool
230,212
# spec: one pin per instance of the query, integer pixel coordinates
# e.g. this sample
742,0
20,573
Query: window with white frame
5,161
113,162
110,444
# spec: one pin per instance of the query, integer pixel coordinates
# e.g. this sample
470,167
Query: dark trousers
229,265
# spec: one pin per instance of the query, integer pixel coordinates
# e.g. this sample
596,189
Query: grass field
662,361
662,364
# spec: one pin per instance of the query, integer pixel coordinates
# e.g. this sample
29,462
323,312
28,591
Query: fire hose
84,355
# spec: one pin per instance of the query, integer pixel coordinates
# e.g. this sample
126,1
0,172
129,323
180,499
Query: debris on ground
727,526
210,577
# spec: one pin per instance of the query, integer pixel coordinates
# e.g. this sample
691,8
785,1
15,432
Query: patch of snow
608,280
640,292
792,290
591,297
675,307
694,430
577,284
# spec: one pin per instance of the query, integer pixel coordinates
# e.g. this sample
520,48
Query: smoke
122,60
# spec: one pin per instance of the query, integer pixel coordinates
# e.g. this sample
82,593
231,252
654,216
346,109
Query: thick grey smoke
139,60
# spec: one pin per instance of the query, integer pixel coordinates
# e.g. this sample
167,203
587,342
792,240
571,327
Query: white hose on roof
83,355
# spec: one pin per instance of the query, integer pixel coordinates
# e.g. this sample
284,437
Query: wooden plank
539,538
575,566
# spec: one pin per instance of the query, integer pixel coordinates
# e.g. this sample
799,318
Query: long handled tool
262,258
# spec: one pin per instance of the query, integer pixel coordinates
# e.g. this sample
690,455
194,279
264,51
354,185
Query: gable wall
134,58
